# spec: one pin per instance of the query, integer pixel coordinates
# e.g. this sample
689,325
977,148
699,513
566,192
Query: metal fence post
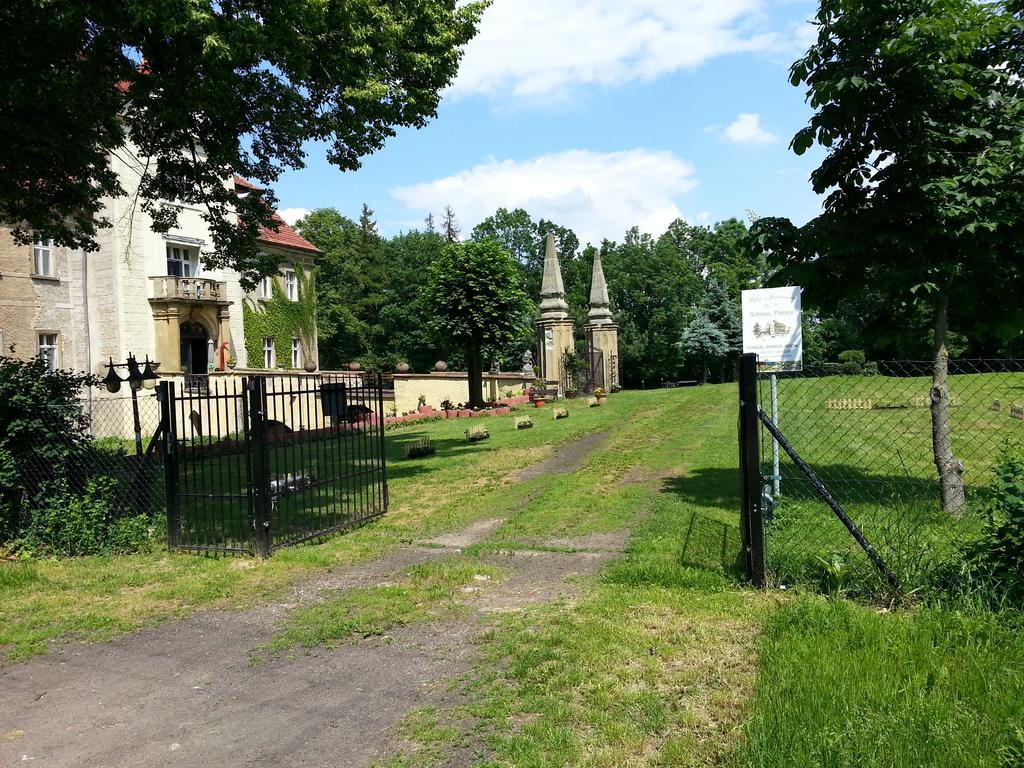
383,452
262,501
170,435
751,519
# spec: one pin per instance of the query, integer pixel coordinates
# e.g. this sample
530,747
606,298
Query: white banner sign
772,327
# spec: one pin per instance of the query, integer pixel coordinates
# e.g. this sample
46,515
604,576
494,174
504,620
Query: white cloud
746,129
599,195
291,215
539,49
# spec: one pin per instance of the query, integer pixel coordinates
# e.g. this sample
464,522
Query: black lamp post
137,379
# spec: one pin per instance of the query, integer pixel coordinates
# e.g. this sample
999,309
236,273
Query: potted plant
232,362
571,394
538,394
600,394
421,404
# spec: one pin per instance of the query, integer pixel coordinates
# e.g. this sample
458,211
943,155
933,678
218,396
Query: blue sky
598,114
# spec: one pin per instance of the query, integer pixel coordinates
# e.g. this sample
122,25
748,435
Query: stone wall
452,385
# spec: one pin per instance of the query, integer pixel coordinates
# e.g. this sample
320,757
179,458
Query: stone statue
528,362
495,366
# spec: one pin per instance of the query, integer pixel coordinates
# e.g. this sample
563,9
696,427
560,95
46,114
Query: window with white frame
269,356
296,353
181,261
291,285
47,350
265,289
42,258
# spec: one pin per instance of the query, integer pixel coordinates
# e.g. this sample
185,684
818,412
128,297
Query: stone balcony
198,290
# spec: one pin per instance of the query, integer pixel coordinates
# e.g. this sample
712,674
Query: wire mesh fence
867,432
92,467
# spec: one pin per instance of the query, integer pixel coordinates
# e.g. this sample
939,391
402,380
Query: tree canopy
189,92
475,294
918,105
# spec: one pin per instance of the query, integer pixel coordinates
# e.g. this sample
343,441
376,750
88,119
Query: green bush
42,427
1001,552
94,522
851,362
853,356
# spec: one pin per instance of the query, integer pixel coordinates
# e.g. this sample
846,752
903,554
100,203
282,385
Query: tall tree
704,343
475,295
350,278
918,105
188,92
450,226
406,315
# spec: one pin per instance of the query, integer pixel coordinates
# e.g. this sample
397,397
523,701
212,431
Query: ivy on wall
282,319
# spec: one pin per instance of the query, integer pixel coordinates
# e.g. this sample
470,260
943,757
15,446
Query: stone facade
602,332
124,299
555,330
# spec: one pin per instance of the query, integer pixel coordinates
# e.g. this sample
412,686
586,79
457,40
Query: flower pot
539,402
426,409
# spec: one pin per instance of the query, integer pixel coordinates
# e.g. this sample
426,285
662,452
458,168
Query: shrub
1001,552
853,356
851,362
36,406
93,522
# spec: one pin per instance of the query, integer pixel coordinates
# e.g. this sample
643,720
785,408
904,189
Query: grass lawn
869,439
664,659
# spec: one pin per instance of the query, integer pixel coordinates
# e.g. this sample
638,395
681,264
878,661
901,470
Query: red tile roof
285,237
246,184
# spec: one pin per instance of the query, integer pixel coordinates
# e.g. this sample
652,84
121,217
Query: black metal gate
262,462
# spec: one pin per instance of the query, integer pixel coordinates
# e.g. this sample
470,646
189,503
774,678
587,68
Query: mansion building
145,293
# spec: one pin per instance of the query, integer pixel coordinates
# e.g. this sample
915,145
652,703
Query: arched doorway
195,346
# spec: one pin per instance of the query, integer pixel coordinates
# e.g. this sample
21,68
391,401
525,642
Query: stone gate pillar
602,332
554,328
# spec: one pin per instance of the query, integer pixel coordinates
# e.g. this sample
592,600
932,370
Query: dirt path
185,694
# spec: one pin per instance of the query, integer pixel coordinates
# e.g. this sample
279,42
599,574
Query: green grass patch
876,459
842,685
95,598
431,591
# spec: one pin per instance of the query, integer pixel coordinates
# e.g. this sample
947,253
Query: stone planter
426,409
402,368
602,399
465,413
440,366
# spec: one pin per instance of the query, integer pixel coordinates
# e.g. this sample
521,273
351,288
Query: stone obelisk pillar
554,328
602,332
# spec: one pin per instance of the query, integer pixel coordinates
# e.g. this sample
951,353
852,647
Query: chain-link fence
96,465
868,431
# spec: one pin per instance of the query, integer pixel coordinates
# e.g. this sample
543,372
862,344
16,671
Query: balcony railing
188,289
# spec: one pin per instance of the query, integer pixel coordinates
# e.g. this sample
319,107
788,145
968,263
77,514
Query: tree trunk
476,376
950,469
